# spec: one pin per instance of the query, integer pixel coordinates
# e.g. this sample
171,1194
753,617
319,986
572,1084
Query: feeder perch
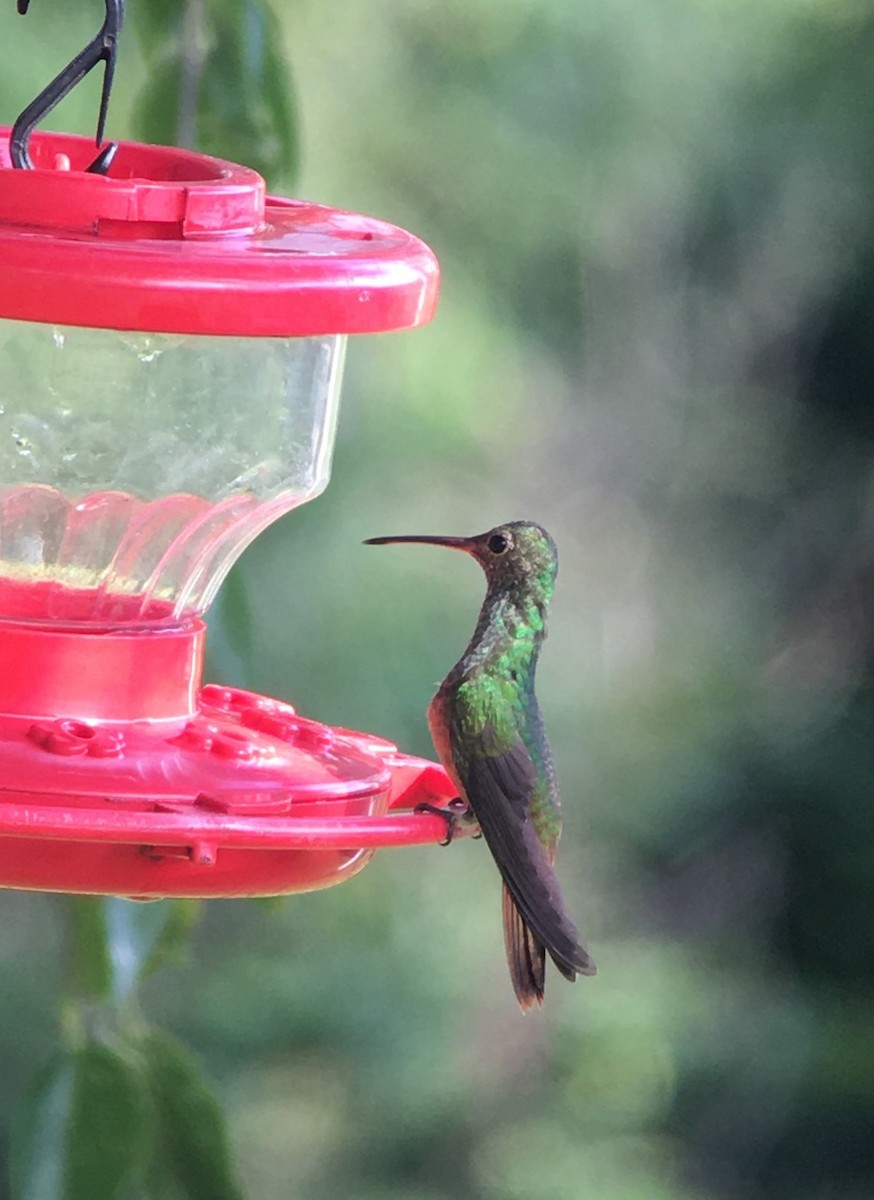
171,347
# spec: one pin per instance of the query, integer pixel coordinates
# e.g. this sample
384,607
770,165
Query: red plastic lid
176,242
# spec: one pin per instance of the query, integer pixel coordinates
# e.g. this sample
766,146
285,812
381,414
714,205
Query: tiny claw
454,812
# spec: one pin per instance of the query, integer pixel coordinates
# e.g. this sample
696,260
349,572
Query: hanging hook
102,48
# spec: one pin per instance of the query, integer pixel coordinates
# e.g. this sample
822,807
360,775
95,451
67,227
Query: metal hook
102,48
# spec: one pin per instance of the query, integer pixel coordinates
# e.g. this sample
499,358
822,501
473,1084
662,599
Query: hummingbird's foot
455,812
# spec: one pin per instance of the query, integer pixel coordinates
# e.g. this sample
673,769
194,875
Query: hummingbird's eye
498,543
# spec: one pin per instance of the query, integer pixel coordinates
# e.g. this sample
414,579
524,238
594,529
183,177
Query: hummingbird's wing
499,779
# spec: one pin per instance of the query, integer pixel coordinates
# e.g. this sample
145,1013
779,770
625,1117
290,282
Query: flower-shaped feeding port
171,349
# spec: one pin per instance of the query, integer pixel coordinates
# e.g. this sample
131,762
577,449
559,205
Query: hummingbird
489,735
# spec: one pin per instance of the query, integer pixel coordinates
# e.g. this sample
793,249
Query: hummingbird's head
517,557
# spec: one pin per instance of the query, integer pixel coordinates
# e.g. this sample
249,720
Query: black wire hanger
102,48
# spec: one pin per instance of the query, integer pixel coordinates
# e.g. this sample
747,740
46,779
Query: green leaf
39,1134
193,1141
173,943
158,22
115,943
143,936
232,75
91,967
245,104
156,117
83,1131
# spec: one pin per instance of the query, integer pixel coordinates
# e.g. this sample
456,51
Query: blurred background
656,228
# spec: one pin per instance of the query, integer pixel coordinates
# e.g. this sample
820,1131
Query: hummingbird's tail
526,957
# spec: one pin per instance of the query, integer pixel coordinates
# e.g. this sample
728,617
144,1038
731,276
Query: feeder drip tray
217,792
240,798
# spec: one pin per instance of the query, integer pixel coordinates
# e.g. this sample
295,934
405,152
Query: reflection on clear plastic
135,468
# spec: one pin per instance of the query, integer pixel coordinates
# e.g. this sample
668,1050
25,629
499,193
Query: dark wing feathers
499,786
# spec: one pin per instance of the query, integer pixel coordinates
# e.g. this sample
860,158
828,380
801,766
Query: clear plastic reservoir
135,468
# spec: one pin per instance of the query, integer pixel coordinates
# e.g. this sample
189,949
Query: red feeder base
216,792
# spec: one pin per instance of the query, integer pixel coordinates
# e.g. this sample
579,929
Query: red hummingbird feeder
171,348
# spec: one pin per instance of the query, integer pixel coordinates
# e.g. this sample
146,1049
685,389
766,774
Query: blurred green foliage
216,79
118,1110
655,224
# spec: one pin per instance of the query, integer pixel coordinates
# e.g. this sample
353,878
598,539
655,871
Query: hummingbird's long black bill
424,539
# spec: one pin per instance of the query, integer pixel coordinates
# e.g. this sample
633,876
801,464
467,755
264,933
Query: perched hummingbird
488,733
